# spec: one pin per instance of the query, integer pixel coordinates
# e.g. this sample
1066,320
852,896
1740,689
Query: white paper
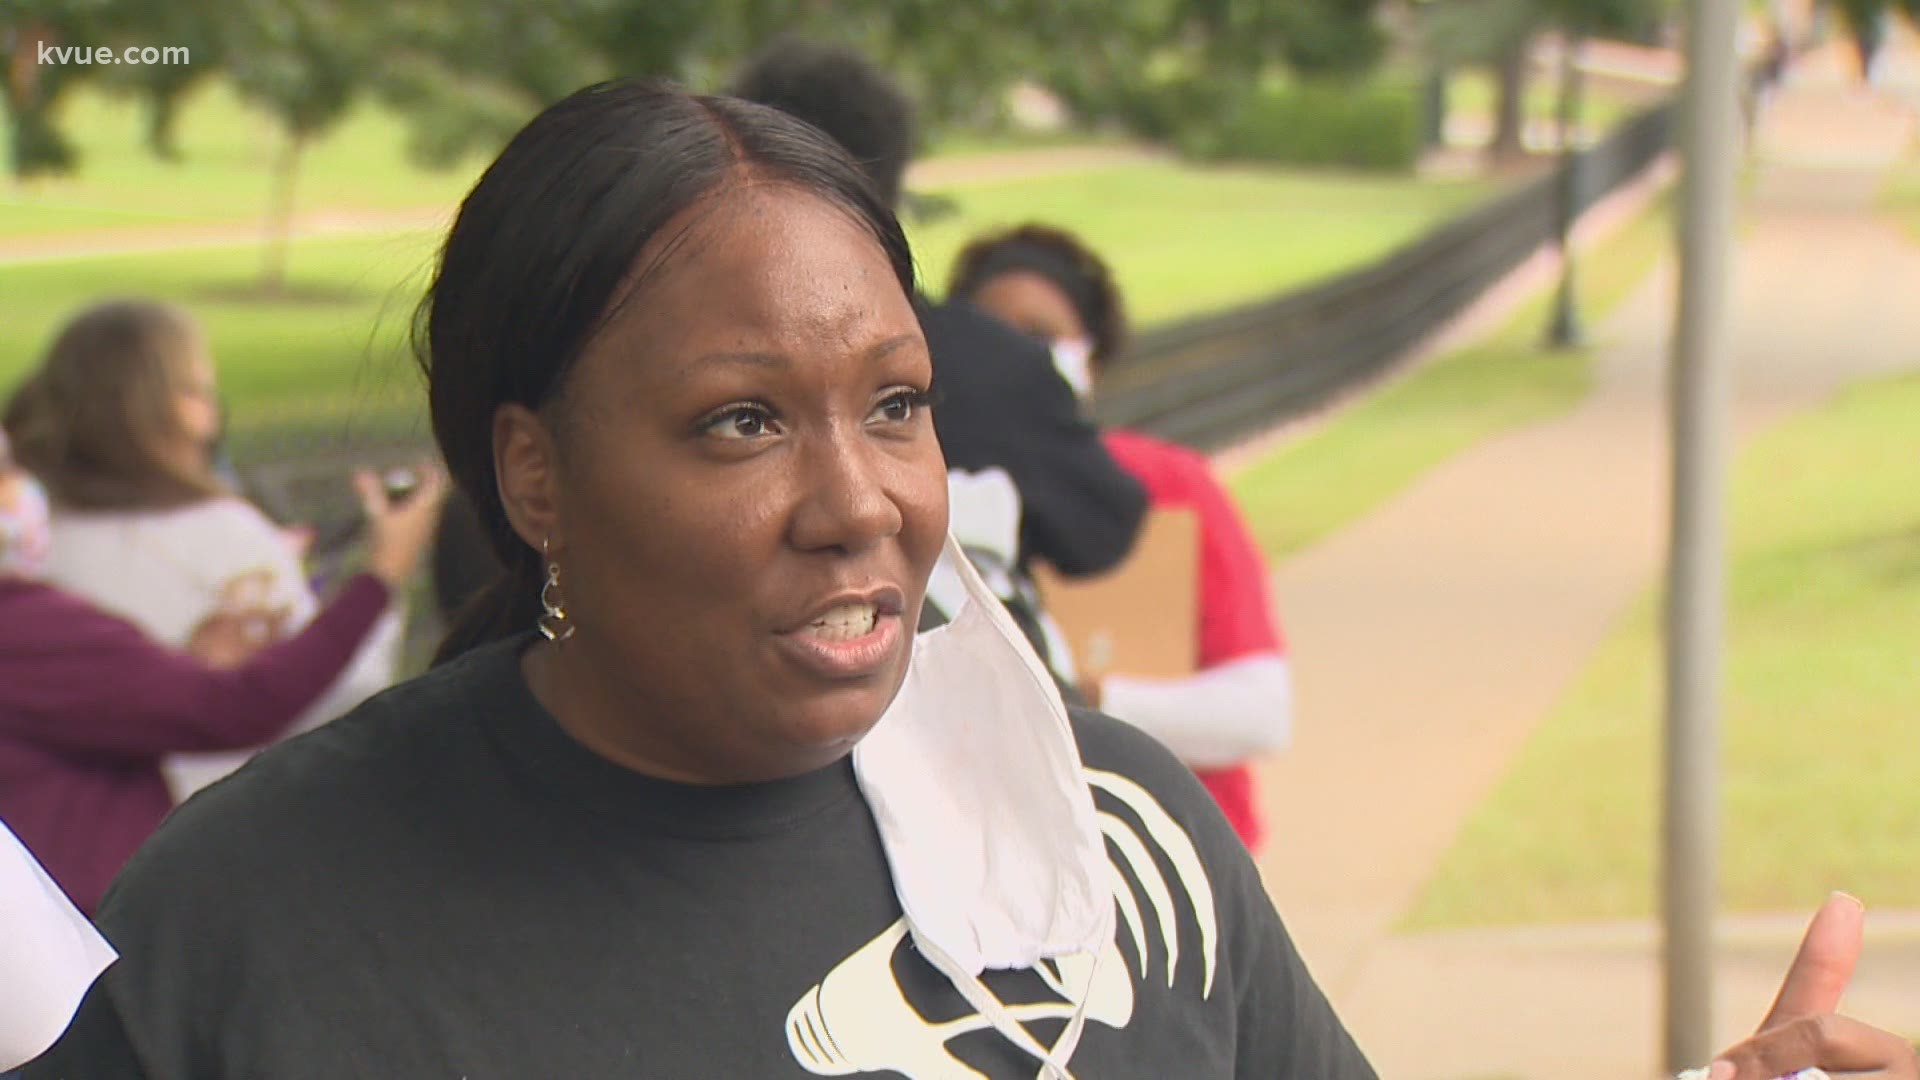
49,955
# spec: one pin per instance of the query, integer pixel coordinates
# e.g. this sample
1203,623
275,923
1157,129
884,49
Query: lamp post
1564,331
1696,571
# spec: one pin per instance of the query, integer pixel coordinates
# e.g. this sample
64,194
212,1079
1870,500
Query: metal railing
1217,378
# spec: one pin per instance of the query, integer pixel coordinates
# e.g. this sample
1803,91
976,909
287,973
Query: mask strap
982,597
1053,1063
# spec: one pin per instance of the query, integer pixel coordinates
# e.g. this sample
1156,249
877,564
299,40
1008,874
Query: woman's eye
740,422
899,407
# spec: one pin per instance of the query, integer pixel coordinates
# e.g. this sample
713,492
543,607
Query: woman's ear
526,468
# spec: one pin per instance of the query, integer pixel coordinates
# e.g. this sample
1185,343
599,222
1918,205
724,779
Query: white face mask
1073,359
985,812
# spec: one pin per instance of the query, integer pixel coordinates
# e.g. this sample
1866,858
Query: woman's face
196,402
1030,303
745,498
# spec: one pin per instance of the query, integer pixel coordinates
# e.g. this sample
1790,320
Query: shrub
1363,126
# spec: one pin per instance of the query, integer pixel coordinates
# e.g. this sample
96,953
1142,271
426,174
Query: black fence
1212,380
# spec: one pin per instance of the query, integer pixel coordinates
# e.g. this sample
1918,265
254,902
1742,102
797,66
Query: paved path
1431,637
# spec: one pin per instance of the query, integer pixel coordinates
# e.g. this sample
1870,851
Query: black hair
842,93
1065,261
546,246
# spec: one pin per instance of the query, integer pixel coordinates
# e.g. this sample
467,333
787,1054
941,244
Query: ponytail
505,607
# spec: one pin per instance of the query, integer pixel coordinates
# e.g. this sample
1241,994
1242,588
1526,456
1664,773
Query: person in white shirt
120,422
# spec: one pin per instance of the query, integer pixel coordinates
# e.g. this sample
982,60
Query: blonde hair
96,422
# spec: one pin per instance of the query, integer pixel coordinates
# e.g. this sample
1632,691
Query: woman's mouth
845,623
853,638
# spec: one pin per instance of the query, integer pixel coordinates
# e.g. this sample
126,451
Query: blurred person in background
90,705
1049,285
120,422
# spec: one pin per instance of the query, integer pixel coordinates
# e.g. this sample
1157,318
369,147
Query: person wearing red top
1239,704
89,705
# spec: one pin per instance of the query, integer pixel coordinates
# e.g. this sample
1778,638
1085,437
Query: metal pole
1564,330
1695,585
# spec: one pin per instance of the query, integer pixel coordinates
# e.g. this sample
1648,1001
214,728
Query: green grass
1184,240
1901,197
1307,489
297,366
1822,690
962,142
227,152
1472,93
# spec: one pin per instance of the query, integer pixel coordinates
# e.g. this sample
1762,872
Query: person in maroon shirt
89,705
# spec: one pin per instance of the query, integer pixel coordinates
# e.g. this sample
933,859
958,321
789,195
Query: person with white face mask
1239,704
89,705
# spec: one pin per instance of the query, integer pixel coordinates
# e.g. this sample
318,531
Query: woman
89,705
1240,703
674,361
685,807
120,423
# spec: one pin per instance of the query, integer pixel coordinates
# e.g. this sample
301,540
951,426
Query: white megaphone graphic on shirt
858,1020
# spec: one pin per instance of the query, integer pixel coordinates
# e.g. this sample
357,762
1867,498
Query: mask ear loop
1053,1062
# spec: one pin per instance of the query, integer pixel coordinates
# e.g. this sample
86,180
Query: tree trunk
1510,103
273,270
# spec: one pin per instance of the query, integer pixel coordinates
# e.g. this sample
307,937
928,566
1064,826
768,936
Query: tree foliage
469,74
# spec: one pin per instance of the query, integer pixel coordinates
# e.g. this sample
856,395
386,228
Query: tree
468,77
1866,20
35,145
1499,35
303,64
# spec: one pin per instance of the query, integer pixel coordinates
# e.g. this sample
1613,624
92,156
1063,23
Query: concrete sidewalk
1432,636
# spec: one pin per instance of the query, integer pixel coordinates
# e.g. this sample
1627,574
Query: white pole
1696,570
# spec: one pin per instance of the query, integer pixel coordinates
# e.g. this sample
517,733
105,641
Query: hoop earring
553,623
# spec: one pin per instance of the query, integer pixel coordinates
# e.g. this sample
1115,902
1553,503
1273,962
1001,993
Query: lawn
300,366
1183,240
227,152
1605,103
1901,197
1822,691
1307,489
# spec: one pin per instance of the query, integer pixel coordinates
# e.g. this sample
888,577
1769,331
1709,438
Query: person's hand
230,636
398,533
299,539
1804,1029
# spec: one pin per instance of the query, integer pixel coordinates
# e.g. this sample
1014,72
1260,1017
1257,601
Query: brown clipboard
1141,618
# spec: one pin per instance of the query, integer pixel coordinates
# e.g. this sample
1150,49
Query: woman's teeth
846,622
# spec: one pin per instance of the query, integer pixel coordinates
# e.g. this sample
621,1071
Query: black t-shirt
443,884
